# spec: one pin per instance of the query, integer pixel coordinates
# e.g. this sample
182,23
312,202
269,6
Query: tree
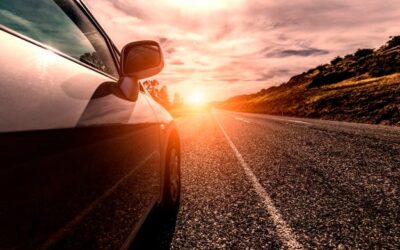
363,53
321,68
151,87
146,85
93,60
349,57
163,95
336,60
158,92
178,100
154,88
393,42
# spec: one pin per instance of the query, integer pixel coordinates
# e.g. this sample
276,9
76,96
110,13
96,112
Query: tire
172,180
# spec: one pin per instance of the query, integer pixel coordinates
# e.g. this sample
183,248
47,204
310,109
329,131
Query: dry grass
358,99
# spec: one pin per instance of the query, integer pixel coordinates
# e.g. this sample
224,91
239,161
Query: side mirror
139,60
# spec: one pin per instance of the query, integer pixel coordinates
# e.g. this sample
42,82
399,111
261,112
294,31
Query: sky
222,48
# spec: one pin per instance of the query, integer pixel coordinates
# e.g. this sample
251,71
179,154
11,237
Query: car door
80,164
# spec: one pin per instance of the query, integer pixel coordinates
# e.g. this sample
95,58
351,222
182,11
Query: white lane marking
284,231
298,122
241,119
276,119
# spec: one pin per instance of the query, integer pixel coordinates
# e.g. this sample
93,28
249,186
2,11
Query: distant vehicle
85,152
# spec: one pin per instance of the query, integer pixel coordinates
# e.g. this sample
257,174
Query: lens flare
196,98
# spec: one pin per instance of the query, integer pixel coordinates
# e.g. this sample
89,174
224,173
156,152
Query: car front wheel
172,183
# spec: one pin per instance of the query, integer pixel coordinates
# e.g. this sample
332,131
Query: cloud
230,47
177,62
299,52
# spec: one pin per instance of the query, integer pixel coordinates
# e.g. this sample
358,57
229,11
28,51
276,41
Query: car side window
62,25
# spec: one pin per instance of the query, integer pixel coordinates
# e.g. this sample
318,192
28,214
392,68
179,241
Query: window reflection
61,25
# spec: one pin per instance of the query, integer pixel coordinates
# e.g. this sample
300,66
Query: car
86,153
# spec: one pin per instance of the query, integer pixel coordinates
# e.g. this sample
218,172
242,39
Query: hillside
361,87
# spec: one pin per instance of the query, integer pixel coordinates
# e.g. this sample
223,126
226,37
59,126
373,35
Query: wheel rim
174,176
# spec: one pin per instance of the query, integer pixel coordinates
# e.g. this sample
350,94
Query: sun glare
43,60
196,98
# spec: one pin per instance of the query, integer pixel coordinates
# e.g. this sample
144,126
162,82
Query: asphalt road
266,182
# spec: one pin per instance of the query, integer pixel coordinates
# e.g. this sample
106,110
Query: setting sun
196,98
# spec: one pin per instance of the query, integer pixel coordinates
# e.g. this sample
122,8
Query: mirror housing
139,60
142,59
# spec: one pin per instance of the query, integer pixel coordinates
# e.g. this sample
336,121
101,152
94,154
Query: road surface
255,181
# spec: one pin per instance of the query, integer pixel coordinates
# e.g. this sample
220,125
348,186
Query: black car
85,152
